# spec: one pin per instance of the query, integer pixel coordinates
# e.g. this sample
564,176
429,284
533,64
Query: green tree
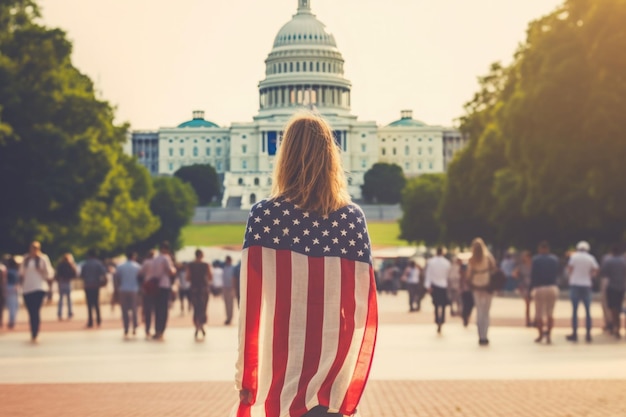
204,180
173,203
383,183
420,203
63,170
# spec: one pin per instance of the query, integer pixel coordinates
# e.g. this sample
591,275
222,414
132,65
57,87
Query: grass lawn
381,234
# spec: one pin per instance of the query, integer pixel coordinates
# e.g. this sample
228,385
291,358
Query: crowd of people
145,289
463,284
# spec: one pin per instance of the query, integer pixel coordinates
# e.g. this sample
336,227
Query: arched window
311,66
195,151
297,67
240,181
317,66
252,198
323,67
291,67
256,181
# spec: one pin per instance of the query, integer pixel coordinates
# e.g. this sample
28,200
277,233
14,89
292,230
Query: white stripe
330,336
342,382
266,330
242,317
297,329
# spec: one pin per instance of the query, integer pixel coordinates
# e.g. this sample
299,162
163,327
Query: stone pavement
75,372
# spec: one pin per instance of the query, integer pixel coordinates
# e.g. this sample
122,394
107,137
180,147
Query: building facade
304,71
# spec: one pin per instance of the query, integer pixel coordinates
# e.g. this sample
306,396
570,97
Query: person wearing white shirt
411,277
581,268
437,272
36,272
162,268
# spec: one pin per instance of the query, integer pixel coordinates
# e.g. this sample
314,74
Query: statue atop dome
304,6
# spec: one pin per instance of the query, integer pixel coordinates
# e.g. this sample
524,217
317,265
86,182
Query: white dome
304,29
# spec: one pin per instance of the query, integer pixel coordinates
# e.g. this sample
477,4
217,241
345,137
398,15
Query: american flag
308,317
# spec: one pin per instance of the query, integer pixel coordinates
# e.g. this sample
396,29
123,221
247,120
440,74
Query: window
311,66
171,151
171,166
363,163
244,148
297,67
256,181
430,165
363,148
407,166
430,151
218,152
384,151
406,150
208,151
317,66
218,166
419,151
419,166
240,181
244,164
182,151
252,198
291,67
195,151
394,151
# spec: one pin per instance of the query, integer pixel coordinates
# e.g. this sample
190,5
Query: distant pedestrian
467,296
37,273
228,275
236,282
65,273
12,290
454,286
479,269
614,268
148,291
183,287
543,283
199,278
3,291
582,268
162,268
436,282
411,278
507,265
94,275
217,284
522,274
126,282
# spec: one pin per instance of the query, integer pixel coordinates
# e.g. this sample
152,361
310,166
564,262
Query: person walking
93,273
11,290
148,291
614,268
65,273
228,276
479,269
183,287
544,273
467,297
411,277
522,274
582,268
162,268
36,272
436,283
308,292
454,286
126,281
199,278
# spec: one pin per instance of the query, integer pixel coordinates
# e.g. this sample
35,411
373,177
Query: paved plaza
78,372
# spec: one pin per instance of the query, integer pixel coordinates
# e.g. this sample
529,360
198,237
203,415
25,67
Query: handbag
497,280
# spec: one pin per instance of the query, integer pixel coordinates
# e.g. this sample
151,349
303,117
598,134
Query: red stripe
346,328
314,333
366,353
280,348
253,317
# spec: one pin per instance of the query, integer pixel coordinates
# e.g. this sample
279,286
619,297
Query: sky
157,60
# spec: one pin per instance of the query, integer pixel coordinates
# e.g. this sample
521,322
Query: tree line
547,152
64,177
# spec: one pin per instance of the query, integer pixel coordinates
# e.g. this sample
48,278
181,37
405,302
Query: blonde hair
308,169
479,250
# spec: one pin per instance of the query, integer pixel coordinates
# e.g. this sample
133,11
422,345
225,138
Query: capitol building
304,71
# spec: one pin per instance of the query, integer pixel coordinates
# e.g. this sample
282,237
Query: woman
12,284
308,316
198,276
479,269
522,275
454,287
66,272
36,272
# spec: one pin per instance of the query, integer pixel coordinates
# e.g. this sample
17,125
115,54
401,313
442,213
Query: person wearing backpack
66,272
37,273
479,269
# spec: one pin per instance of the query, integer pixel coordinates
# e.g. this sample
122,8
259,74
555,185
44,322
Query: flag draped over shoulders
308,317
